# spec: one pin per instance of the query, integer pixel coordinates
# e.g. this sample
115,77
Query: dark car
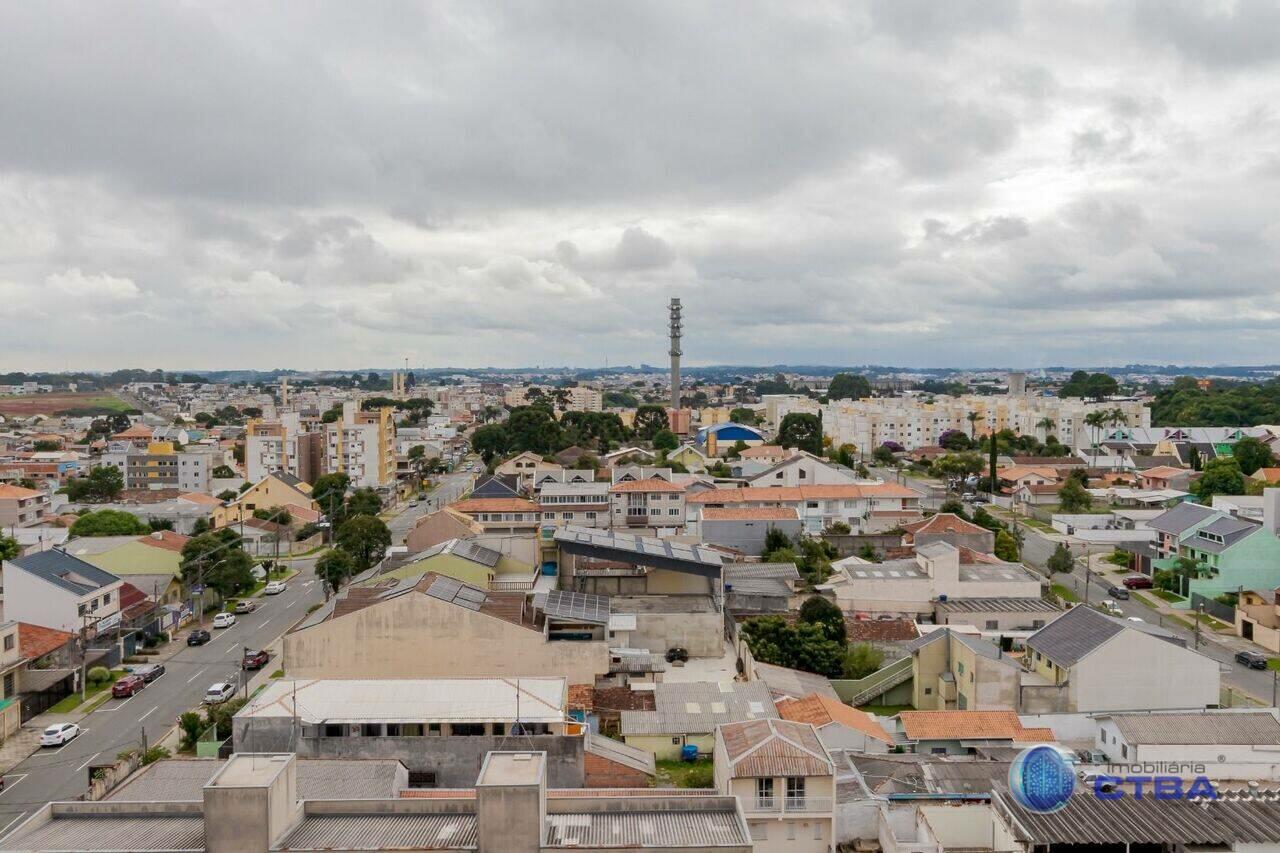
149,672
127,686
1253,660
255,659
677,654
1118,592
1137,582
198,637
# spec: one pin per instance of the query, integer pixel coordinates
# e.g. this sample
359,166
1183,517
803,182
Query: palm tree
1096,421
972,418
1046,424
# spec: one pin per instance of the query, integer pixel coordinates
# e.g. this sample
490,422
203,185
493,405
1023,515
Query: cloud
640,250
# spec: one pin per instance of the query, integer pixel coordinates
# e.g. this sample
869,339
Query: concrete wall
662,748
387,640
1136,671
702,634
745,535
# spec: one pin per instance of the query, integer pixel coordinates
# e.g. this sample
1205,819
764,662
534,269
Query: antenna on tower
676,330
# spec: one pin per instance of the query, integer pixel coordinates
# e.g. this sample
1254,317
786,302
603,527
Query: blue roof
730,432
61,569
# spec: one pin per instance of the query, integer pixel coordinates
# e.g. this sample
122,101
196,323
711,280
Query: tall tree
9,547
1060,560
1073,497
848,386
649,421
1221,476
822,611
1251,454
802,430
490,441
365,539
109,522
334,568
1006,548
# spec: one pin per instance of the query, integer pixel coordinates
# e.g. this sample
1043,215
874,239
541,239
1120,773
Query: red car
255,659
127,686
1137,582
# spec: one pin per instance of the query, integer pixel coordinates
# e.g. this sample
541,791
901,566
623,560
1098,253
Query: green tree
155,525
802,430
334,568
330,492
803,646
218,560
735,452
1060,560
956,465
490,441
276,514
363,502
201,525
665,439
649,420
1006,548
822,611
9,547
1251,454
861,660
1221,476
848,386
227,495
104,483
742,416
223,472
533,428
775,540
883,456
1073,497
109,522
47,446
982,518
365,539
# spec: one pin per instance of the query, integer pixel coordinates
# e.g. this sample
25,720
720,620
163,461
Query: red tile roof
943,522
166,539
18,493
749,513
821,710
36,641
653,484
970,725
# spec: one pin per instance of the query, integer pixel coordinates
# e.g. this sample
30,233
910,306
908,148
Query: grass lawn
108,401
1064,593
1208,622
687,774
71,702
1171,597
885,710
1037,524
1273,663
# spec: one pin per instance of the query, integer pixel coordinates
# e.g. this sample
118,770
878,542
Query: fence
859,691
208,744
1214,608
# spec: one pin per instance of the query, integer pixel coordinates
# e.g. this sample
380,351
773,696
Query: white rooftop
432,700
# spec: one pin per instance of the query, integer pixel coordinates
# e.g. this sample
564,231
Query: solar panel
455,592
577,606
477,553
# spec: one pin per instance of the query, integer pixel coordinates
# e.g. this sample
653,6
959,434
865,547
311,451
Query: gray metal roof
65,571
997,605
71,833
632,829
640,550
183,780
740,571
1228,528
1180,518
698,707
1073,635
1207,727
784,681
404,831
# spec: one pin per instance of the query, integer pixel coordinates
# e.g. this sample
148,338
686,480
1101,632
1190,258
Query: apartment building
284,445
865,507
653,503
579,398
362,446
162,466
21,507
580,504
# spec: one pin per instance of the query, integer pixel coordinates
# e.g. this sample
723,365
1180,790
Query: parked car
255,658
127,686
1253,660
149,672
198,637
59,733
219,692
245,605
274,588
1137,582
224,620
1118,592
413,503
1100,781
1109,607
677,654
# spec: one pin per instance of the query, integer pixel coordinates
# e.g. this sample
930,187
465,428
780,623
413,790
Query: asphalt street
60,773
448,488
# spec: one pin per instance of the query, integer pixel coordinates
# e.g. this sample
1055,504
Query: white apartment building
162,466
579,398
362,445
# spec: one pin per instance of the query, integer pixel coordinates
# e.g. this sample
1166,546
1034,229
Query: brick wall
602,773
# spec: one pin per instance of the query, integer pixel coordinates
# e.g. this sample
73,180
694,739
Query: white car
219,692
58,734
274,588
224,620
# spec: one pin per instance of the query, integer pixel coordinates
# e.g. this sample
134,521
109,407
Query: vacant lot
49,404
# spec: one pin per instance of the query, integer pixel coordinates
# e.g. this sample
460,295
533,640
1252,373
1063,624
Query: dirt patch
47,404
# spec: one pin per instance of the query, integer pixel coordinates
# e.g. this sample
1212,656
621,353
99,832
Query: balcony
787,805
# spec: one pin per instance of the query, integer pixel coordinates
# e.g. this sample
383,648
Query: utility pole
1199,616
144,742
1088,576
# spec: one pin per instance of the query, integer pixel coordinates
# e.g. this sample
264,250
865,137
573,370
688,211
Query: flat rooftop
250,770
512,768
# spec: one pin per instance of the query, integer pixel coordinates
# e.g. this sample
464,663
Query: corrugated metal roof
781,571
620,753
997,605
534,700
183,780
698,707
701,828
384,832
1208,727
125,833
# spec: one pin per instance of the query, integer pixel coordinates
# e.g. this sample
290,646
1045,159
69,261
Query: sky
331,185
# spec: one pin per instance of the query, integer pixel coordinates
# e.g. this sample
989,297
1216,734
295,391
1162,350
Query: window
433,728
675,740
764,792
928,691
817,830
333,730
411,730
795,788
106,598
791,830
371,729
993,624
802,474
938,750
759,831
422,779
467,729
8,642
1124,750
393,730
960,667
499,728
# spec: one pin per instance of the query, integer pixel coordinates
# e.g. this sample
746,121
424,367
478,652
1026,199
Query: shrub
191,725
862,660
99,675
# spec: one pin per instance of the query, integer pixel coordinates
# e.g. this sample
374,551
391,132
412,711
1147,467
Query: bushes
862,660
99,675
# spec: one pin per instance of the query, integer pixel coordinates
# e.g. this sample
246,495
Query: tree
276,514
365,539
973,418
223,472
104,483
363,502
1221,476
742,416
954,506
217,559
490,441
9,547
804,645
334,568
649,421
954,440
956,465
802,430
883,456
46,445
533,428
735,452
1251,454
982,518
1006,548
330,492
821,611
848,386
109,522
1060,560
665,439
1073,497
201,526
861,660
227,495
158,524
775,540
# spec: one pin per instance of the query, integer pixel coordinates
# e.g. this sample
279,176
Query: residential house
55,590
955,671
785,779
950,528
564,476
802,469
440,526
938,571
1228,553
21,507
497,486
584,504
462,559
865,507
1233,744
1039,494
1166,477
839,726
510,516
652,503
687,713
770,454
11,665
152,563
277,489
526,466
962,732
745,528
1258,618
693,459
1086,662
468,630
996,617
1270,476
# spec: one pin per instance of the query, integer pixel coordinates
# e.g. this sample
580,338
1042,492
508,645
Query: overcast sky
339,185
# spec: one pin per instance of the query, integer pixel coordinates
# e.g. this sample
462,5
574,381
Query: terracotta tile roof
624,699
880,630
495,505
581,697
970,725
773,747
794,494
1270,475
1163,472
749,513
821,710
18,493
1016,472
197,498
943,522
653,484
764,451
166,539
36,641
135,431
969,557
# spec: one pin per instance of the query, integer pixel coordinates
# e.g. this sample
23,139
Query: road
117,725
447,489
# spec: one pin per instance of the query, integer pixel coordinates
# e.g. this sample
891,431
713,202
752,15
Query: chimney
511,802
251,802
1271,510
